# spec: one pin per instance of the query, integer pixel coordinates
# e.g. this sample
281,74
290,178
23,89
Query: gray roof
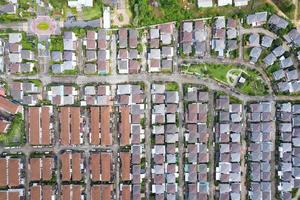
279,74
287,62
254,40
259,17
255,53
266,41
278,51
270,59
277,22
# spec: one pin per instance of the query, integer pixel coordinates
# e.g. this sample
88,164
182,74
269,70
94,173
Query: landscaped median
244,80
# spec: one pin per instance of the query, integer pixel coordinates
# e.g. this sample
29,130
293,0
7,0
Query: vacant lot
253,85
174,10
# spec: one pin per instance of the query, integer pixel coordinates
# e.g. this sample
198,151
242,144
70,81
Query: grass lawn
172,86
29,42
56,43
94,12
15,134
36,82
253,85
286,6
175,10
214,71
43,26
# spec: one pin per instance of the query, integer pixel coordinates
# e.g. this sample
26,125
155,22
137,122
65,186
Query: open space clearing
175,10
253,85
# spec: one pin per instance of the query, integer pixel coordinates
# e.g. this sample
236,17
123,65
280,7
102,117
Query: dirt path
296,10
277,9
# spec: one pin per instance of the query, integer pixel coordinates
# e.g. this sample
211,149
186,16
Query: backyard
253,84
15,134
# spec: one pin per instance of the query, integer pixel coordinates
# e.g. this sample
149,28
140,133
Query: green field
253,86
176,10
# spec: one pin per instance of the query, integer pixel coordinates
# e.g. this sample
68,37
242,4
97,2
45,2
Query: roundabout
43,26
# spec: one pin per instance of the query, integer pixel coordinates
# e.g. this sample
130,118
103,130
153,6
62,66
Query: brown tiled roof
76,195
3,174
66,192
13,195
75,125
76,171
8,106
34,125
48,165
124,126
125,166
95,138
95,166
105,125
126,192
65,125
106,159
13,172
35,169
35,192
95,192
101,192
46,138
47,192
65,166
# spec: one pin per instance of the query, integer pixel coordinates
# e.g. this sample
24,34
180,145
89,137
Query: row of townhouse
60,94
97,52
97,95
18,60
130,103
25,92
42,174
288,126
161,48
40,125
228,141
193,38
66,60
210,3
12,171
224,36
260,148
128,58
164,121
196,164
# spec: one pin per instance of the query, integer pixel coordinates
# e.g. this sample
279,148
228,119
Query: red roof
126,192
95,131
3,174
34,125
125,166
124,126
106,160
46,138
105,126
13,172
95,166
8,106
